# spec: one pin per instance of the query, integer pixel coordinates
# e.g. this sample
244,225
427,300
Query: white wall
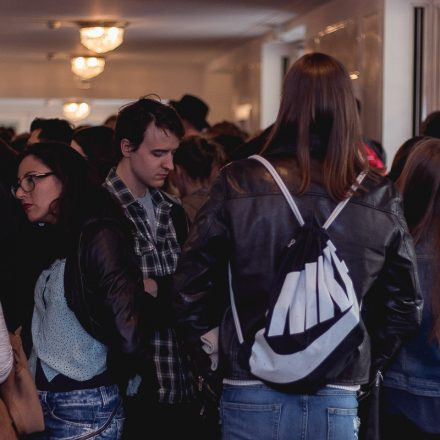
398,67
242,68
217,92
272,79
397,73
169,80
123,84
19,112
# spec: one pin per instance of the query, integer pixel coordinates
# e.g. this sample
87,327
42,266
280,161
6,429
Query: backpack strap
282,186
234,308
339,207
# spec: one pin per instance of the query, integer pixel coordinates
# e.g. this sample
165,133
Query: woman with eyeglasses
91,316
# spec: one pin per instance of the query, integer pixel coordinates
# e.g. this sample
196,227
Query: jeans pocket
73,414
77,421
250,421
342,424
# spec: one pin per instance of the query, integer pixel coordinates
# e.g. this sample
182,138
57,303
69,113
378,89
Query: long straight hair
318,117
420,187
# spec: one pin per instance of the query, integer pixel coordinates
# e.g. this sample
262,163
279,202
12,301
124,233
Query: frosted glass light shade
101,39
75,111
87,67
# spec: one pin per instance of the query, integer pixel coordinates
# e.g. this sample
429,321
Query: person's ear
126,147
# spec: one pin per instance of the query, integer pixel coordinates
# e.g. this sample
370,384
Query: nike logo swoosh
282,368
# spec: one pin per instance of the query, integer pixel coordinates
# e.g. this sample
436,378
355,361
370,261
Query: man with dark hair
58,130
147,134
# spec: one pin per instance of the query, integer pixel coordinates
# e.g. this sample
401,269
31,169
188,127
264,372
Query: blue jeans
94,413
257,412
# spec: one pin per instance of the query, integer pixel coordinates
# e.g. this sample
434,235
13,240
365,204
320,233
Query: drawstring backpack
312,324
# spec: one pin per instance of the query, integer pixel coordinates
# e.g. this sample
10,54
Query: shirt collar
125,196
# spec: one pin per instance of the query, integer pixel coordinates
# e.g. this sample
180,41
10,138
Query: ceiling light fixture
76,111
87,67
101,38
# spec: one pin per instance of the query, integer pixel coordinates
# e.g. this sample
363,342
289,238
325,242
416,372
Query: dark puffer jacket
247,222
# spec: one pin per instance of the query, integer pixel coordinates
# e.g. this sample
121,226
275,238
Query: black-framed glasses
27,183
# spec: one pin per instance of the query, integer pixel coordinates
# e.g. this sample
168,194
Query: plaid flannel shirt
156,258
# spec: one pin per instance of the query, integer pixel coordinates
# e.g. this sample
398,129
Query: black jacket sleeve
199,283
105,290
393,306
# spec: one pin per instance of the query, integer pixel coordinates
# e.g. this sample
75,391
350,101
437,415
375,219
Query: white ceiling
192,32
204,26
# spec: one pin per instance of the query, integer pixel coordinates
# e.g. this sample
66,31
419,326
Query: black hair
8,163
196,156
229,143
19,142
134,118
401,157
97,144
53,130
7,134
431,125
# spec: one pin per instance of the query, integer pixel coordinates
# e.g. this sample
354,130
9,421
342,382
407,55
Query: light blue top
59,340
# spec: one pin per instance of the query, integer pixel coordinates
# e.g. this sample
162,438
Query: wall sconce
243,112
76,111
101,39
354,75
87,67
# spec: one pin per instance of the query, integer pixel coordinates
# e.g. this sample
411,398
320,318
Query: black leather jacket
247,222
104,288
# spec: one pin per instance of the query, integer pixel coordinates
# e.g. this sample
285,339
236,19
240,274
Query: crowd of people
142,261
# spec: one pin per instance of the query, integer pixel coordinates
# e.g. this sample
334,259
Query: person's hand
150,286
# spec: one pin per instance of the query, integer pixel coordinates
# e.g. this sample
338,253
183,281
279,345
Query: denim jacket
412,382
416,369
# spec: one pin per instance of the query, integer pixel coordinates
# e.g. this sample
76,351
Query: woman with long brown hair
412,383
316,149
